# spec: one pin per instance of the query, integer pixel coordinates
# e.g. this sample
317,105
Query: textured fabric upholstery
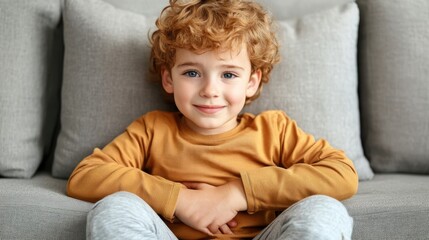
38,208
106,82
393,93
316,81
30,76
391,206
394,54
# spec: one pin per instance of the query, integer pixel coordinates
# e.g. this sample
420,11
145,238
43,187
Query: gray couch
73,74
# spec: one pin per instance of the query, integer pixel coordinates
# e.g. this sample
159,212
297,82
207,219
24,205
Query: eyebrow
192,64
186,64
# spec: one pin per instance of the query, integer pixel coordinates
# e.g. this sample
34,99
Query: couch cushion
106,82
290,9
391,206
38,208
280,9
394,84
30,76
316,82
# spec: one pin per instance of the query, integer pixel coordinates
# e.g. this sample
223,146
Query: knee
120,198
325,203
318,205
117,216
117,205
320,216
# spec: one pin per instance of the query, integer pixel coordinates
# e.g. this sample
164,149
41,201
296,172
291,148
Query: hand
211,209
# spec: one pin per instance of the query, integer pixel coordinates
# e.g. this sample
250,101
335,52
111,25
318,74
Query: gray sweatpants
124,215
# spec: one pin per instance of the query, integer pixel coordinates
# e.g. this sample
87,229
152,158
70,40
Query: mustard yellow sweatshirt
277,162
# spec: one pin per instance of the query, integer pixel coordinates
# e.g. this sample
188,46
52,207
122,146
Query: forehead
238,56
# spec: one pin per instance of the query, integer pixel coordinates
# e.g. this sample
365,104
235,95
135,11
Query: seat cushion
38,208
391,206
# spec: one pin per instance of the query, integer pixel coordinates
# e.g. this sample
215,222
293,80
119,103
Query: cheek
236,95
182,93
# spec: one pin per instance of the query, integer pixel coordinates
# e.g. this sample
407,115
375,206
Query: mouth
209,109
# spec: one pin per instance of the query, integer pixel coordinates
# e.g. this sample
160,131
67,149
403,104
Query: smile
209,109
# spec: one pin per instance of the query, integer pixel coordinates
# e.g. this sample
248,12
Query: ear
253,85
167,81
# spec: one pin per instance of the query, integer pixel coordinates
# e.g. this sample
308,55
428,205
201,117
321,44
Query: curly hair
205,25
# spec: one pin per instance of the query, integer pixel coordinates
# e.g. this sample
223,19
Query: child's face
210,89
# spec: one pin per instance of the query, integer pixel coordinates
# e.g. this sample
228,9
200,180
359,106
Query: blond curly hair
205,25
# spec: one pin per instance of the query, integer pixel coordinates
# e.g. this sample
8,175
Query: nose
210,88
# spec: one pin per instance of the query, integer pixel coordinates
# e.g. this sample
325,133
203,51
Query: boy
209,171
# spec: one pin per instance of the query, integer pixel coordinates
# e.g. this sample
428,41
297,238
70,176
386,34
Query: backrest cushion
30,77
316,81
106,82
394,84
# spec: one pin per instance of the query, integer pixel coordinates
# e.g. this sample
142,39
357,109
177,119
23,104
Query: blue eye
229,75
191,74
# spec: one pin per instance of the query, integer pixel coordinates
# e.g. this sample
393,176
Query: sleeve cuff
170,207
250,197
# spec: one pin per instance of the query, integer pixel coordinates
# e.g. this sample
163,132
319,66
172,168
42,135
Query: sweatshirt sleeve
307,167
118,167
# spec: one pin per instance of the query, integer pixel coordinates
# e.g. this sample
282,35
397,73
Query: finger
213,228
207,231
232,223
225,229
